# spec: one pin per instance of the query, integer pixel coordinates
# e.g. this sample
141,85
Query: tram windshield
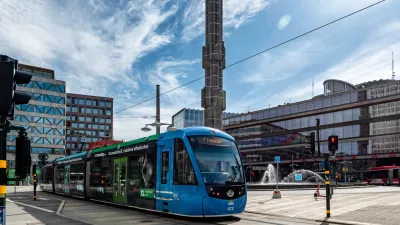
218,159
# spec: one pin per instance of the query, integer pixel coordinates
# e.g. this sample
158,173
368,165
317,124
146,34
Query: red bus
386,175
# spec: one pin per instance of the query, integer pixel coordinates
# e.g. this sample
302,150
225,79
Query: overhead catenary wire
259,53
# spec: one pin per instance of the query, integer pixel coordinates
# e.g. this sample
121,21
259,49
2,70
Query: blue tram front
207,176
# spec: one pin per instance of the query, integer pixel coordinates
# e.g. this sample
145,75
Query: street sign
277,159
322,165
298,177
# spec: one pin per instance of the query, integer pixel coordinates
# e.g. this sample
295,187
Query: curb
345,222
304,189
60,207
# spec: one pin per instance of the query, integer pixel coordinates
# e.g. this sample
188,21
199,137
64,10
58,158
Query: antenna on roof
393,73
312,88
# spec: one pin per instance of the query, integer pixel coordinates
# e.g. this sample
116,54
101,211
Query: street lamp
157,124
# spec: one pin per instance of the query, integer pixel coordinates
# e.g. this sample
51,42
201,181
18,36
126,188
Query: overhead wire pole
158,107
259,53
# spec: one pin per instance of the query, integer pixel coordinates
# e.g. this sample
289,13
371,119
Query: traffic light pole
327,183
3,168
319,150
34,182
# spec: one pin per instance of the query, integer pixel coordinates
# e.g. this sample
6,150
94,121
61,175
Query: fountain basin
283,186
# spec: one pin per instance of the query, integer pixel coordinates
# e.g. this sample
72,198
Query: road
372,205
46,210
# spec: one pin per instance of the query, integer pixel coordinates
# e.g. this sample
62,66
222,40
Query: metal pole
3,168
327,182
319,148
34,182
292,164
158,107
276,178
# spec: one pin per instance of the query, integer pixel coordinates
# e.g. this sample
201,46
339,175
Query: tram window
134,171
95,172
165,160
60,175
80,171
183,169
106,172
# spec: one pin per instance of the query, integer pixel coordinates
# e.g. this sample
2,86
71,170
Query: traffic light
10,76
22,155
311,141
333,145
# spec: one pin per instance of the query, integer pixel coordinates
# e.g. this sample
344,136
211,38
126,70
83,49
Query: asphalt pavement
373,205
60,210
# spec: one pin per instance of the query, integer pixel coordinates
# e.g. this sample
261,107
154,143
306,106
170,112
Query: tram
195,172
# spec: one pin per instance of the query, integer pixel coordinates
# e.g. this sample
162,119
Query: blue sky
124,48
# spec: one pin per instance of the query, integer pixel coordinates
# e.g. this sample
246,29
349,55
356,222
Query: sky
123,48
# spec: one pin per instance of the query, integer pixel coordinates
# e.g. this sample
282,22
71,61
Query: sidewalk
365,208
16,215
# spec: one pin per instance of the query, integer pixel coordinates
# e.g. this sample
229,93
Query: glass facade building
366,118
43,117
89,117
192,117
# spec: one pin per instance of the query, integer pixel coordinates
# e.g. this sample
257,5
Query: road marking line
35,207
46,199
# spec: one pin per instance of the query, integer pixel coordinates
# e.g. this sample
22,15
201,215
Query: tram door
67,178
119,180
164,195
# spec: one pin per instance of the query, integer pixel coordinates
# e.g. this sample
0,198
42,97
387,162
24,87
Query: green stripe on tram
126,144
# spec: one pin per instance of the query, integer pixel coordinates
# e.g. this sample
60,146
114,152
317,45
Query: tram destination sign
123,150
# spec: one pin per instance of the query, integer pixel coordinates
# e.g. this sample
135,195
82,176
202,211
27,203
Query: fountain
307,176
269,175
310,179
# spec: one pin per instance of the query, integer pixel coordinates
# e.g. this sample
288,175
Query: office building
89,119
192,117
366,117
43,117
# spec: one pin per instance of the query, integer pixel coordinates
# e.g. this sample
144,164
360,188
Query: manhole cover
146,221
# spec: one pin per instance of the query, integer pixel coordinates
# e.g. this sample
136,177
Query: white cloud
284,63
235,13
284,21
90,49
169,73
372,61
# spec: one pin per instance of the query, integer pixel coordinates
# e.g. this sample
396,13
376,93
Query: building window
60,88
